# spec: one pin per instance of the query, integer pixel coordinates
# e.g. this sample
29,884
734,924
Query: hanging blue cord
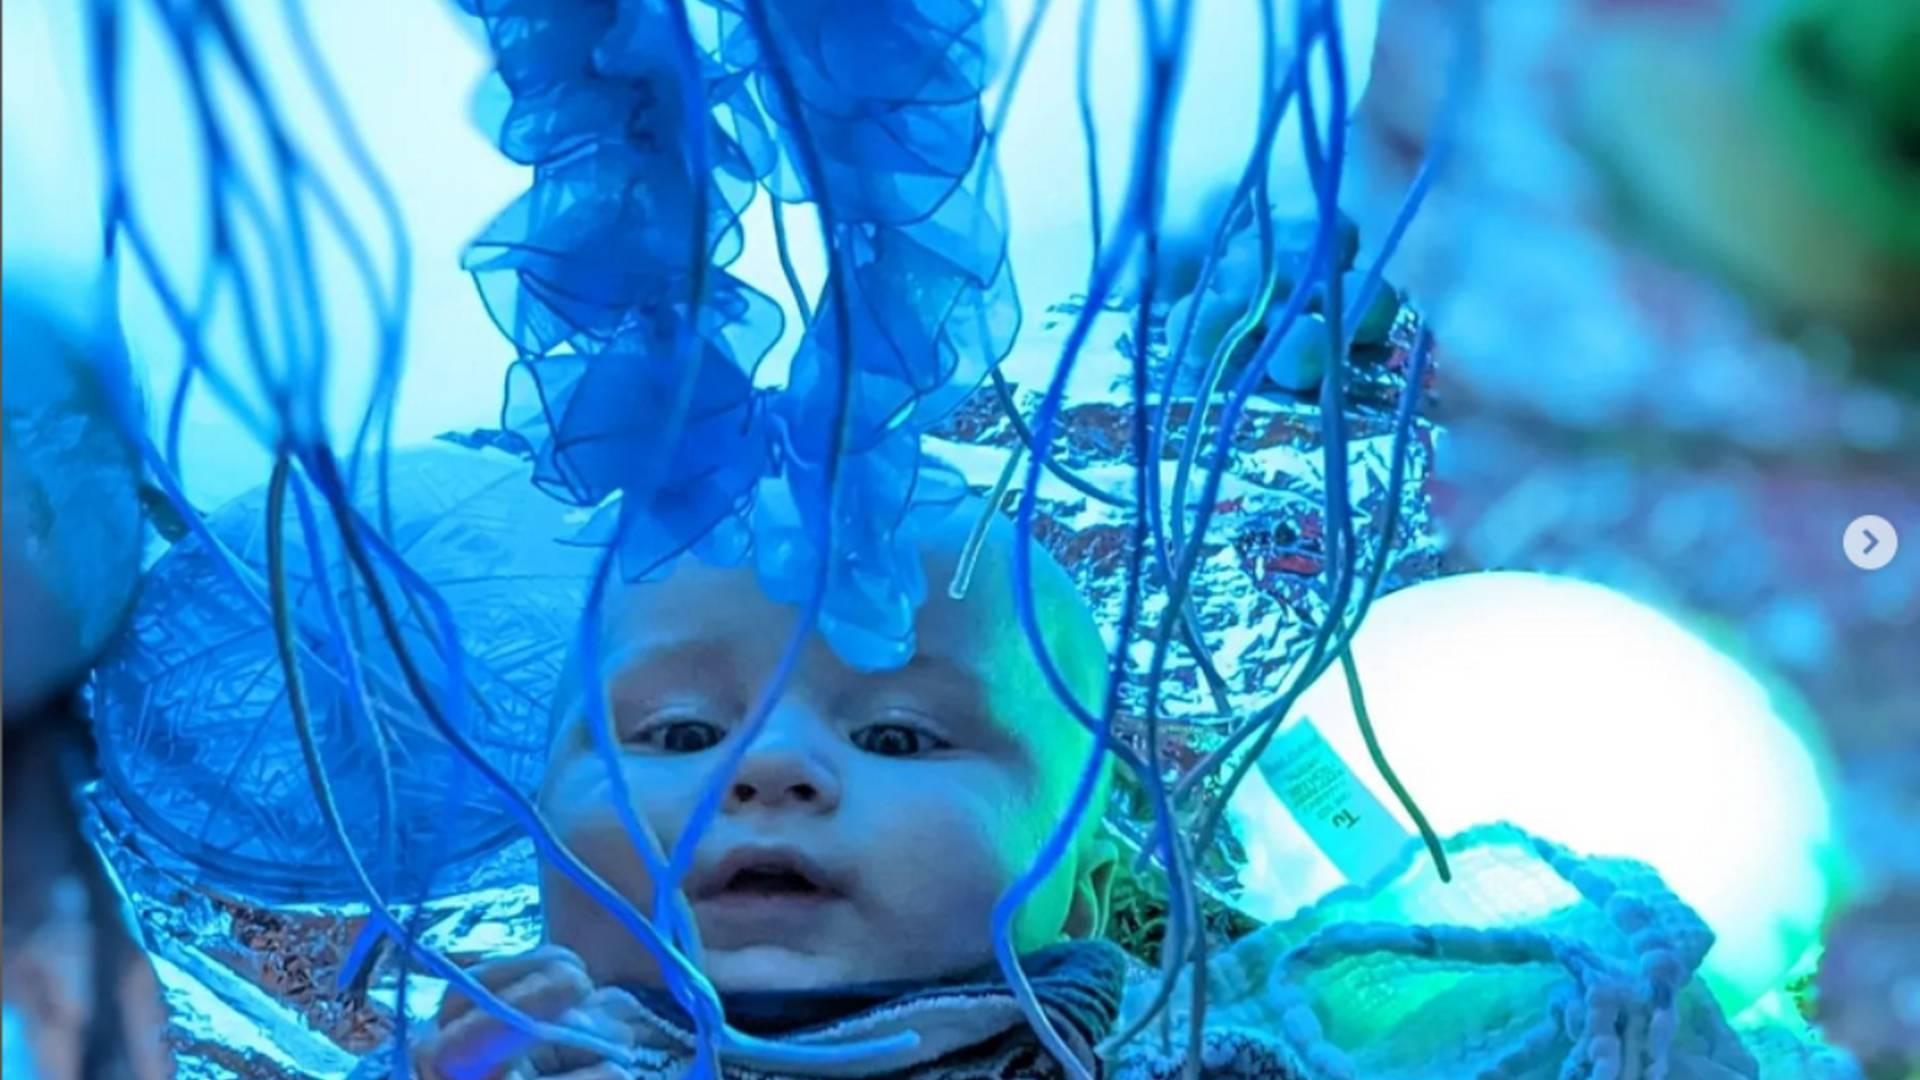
182,24
183,383
1417,358
1181,892
1275,101
1185,937
1167,56
1368,288
1266,723
304,377
695,995
1182,938
305,381
148,262
389,313
358,703
1327,171
1253,182
706,1063
989,159
351,665
1439,153
1334,413
220,177
1002,389
1316,262
391,317
1338,560
1267,719
1118,249
670,907
304,363
293,388
1253,179
316,772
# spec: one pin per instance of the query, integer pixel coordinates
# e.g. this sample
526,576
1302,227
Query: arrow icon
1871,542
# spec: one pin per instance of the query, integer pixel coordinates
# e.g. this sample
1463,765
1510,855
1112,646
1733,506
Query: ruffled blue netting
638,348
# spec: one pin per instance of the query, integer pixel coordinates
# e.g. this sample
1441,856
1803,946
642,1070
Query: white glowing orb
1589,719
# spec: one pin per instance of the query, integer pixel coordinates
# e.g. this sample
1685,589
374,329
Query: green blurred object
73,527
1779,154
1840,83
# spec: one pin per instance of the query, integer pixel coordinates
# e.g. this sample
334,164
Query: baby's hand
549,983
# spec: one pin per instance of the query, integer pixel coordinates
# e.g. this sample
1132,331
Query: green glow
1593,720
1839,83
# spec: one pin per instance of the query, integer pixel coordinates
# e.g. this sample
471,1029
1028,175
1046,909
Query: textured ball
191,711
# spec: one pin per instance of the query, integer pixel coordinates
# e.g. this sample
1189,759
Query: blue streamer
579,275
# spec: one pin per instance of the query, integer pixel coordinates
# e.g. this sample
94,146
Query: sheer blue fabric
610,278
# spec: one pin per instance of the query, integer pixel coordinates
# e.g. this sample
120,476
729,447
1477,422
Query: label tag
1355,830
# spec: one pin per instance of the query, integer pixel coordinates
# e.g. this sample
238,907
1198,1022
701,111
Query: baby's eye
679,736
898,740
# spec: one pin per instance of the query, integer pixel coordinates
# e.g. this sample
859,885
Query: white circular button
1871,542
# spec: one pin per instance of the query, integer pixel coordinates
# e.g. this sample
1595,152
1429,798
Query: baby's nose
783,776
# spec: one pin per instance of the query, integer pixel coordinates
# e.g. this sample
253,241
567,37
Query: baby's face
874,821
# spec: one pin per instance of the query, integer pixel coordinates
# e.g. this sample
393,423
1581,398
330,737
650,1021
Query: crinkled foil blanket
255,990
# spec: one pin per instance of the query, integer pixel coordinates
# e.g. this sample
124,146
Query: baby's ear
1092,890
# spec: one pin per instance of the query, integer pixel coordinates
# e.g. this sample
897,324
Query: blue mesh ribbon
591,275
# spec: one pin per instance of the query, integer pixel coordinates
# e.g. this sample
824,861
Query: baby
845,889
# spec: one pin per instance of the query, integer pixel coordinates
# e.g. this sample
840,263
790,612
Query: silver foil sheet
1259,590
259,990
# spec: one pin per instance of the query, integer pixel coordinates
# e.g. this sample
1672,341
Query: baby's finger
479,1044
498,975
611,1001
594,1015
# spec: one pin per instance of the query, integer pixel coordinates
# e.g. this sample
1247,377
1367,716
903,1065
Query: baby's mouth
765,876
770,881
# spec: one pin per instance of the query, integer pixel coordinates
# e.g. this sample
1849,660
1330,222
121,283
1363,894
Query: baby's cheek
581,808
602,843
953,849
577,921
